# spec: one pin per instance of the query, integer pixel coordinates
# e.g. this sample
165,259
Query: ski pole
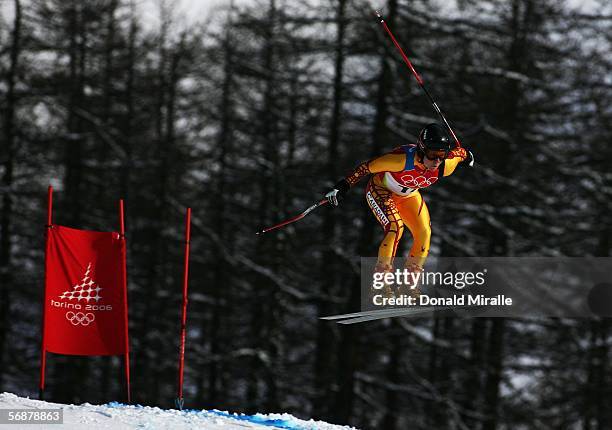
295,218
418,78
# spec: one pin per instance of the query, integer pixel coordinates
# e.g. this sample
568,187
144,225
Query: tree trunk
494,372
221,283
325,335
392,401
349,358
7,182
473,374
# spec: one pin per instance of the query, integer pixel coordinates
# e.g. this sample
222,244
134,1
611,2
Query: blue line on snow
256,419
282,424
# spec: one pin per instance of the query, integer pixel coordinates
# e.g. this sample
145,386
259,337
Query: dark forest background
248,117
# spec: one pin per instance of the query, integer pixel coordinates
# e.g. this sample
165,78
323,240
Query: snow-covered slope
118,416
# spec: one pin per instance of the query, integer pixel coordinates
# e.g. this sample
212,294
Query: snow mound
119,416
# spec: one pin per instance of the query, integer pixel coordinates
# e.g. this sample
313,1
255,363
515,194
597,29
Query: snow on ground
119,416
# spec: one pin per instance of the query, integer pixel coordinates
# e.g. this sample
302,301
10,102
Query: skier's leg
415,216
383,206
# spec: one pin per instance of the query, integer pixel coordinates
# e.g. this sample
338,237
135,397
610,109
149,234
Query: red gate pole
125,304
43,352
179,400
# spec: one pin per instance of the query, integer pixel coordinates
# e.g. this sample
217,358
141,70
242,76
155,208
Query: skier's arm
384,163
455,157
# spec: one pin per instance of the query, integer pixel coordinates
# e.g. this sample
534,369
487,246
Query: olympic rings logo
80,318
417,182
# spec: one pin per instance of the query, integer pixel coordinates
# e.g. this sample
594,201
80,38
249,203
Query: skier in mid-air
393,193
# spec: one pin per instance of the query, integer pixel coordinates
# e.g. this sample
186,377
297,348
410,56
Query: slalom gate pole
418,78
43,344
125,304
179,401
295,218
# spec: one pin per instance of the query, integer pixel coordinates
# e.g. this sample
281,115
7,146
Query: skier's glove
338,192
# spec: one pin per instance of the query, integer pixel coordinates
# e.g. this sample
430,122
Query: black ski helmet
433,137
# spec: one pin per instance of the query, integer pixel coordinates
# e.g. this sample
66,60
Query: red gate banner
85,293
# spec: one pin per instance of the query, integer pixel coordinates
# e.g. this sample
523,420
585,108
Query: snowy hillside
118,416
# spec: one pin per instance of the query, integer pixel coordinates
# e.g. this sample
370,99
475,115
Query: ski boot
412,288
387,290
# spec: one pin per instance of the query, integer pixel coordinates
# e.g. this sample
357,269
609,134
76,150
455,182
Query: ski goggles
435,155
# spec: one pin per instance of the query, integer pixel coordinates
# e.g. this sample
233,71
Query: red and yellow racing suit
393,196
